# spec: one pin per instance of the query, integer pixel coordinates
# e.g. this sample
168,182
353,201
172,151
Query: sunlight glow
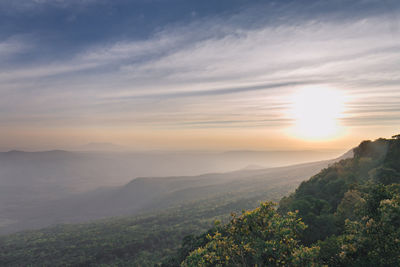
315,111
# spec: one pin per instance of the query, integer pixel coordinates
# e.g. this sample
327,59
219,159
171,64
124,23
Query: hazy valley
46,188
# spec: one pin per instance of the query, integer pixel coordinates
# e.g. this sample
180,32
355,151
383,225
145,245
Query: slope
183,206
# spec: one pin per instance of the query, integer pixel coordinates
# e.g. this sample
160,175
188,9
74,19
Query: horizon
123,149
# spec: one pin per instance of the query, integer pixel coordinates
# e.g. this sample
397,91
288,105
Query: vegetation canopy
346,215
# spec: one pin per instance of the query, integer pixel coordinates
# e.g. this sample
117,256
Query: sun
316,112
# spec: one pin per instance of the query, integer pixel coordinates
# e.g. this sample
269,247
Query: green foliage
326,200
351,209
372,149
351,202
260,237
385,175
145,240
329,251
375,239
189,244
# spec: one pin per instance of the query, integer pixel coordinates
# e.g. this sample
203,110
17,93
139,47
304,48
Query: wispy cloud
12,47
209,72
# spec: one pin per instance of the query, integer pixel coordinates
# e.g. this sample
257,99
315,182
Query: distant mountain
100,147
165,210
58,172
138,196
253,167
347,155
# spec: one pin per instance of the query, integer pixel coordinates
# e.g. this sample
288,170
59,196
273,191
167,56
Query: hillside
142,195
141,240
346,215
322,199
170,208
38,189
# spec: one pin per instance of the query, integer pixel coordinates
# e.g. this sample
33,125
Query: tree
347,208
260,237
375,239
397,136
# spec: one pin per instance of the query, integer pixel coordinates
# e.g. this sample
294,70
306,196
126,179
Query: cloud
29,4
12,47
210,70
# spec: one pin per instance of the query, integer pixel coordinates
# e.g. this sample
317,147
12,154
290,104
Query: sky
198,75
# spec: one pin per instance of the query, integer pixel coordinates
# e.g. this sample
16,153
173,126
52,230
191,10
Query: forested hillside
329,198
346,215
40,189
172,208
